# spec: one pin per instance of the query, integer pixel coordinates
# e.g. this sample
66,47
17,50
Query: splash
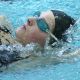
61,53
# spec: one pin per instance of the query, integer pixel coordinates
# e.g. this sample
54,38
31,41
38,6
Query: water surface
45,66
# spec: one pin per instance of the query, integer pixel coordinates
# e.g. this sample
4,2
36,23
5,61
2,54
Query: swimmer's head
32,30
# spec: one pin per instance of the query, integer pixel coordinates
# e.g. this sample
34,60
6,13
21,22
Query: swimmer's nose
24,26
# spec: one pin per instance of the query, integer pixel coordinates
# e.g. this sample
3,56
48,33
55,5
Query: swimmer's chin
19,33
24,43
20,41
18,37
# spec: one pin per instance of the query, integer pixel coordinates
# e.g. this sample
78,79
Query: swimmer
37,28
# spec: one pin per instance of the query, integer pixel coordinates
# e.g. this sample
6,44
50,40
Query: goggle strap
52,35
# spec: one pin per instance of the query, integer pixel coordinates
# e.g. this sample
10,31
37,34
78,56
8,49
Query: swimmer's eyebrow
5,30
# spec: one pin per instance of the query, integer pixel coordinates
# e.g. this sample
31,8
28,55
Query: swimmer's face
30,32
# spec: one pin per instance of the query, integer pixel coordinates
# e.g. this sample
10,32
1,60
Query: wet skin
30,32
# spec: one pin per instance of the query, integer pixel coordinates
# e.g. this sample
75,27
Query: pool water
46,66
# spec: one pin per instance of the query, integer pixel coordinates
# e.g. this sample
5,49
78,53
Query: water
48,64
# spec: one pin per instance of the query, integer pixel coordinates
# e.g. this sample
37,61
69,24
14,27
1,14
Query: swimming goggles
43,26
